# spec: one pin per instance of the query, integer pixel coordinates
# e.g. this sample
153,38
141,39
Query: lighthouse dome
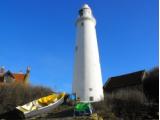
85,6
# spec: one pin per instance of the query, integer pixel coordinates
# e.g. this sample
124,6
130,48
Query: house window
90,89
91,98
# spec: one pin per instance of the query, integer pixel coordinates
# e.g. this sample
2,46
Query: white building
87,83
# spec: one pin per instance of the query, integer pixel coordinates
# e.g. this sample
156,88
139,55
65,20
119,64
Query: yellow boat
42,105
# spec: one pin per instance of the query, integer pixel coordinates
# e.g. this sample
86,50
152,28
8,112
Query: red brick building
9,77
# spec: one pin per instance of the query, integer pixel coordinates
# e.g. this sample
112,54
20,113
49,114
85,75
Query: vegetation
131,104
122,104
128,104
12,95
151,85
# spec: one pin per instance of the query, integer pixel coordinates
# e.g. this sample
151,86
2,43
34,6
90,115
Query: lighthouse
87,83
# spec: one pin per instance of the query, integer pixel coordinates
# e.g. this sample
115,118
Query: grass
12,95
128,104
151,85
121,104
131,103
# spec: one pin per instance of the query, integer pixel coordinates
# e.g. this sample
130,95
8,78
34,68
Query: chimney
2,69
27,75
28,69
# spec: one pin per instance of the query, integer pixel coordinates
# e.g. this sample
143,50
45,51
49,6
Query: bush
126,104
151,85
131,104
12,95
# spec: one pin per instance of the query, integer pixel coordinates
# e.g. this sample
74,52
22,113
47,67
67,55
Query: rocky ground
64,112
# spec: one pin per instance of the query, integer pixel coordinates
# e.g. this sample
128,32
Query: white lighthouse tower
87,83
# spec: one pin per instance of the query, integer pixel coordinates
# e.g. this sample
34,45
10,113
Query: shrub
126,104
12,95
151,85
131,104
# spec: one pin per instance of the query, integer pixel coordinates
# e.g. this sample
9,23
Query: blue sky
41,34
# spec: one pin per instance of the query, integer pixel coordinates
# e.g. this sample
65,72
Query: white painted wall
87,72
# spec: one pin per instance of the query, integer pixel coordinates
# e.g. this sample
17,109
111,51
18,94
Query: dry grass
131,104
122,104
12,95
151,85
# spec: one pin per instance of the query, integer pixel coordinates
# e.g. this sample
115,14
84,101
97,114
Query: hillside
123,104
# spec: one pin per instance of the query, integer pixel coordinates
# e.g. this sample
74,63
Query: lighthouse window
76,48
81,12
82,24
91,98
90,89
78,98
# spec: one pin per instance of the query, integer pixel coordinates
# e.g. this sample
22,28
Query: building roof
124,80
8,73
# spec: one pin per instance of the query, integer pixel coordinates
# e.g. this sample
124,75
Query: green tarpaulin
82,106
